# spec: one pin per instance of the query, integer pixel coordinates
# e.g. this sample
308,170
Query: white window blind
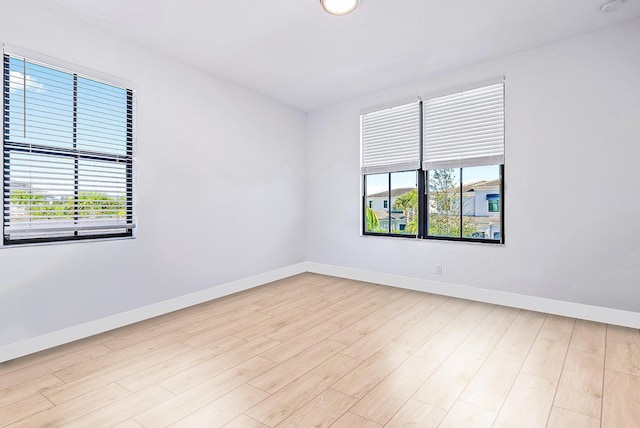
67,155
464,129
391,139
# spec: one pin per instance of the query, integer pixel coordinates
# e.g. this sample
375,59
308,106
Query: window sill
80,241
438,241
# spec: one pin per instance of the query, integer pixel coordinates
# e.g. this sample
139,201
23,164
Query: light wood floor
318,351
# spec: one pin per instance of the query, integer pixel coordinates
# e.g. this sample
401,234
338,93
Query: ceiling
293,51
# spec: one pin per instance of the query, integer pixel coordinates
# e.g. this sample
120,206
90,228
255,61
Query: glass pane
102,117
40,192
49,111
45,96
444,202
404,202
101,192
482,202
376,215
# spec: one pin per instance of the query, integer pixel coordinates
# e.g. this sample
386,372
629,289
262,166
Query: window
457,201
493,203
454,151
399,217
390,158
68,155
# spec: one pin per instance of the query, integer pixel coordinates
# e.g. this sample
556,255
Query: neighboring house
398,219
481,203
380,203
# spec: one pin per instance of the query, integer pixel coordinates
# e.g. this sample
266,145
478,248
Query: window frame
423,215
9,147
425,200
389,207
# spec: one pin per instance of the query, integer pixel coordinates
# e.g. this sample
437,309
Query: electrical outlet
439,269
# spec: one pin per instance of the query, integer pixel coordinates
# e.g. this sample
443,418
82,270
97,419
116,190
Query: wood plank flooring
320,351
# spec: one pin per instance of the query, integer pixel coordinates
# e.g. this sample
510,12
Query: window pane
102,118
376,215
102,195
40,104
404,202
482,202
444,202
40,191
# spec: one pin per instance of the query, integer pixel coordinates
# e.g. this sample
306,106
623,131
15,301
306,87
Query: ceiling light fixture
339,7
611,5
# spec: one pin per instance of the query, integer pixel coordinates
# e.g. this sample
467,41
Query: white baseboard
60,337
539,304
557,307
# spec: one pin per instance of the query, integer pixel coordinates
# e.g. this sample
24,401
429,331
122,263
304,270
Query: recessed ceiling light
339,7
611,5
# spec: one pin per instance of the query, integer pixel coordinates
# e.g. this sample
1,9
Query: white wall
210,157
572,143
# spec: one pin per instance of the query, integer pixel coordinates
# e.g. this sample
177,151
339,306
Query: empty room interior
315,213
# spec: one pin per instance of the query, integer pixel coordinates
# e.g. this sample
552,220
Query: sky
46,97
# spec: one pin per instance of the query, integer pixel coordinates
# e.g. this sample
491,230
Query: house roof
384,214
471,187
481,185
394,192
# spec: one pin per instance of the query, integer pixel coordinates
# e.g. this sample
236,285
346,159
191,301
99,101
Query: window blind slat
391,139
464,129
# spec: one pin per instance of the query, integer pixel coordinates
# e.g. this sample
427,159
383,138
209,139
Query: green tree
408,203
97,204
412,226
22,197
372,221
444,206
34,204
88,204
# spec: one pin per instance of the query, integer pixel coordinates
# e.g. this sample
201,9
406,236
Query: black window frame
389,208
425,201
423,215
9,147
